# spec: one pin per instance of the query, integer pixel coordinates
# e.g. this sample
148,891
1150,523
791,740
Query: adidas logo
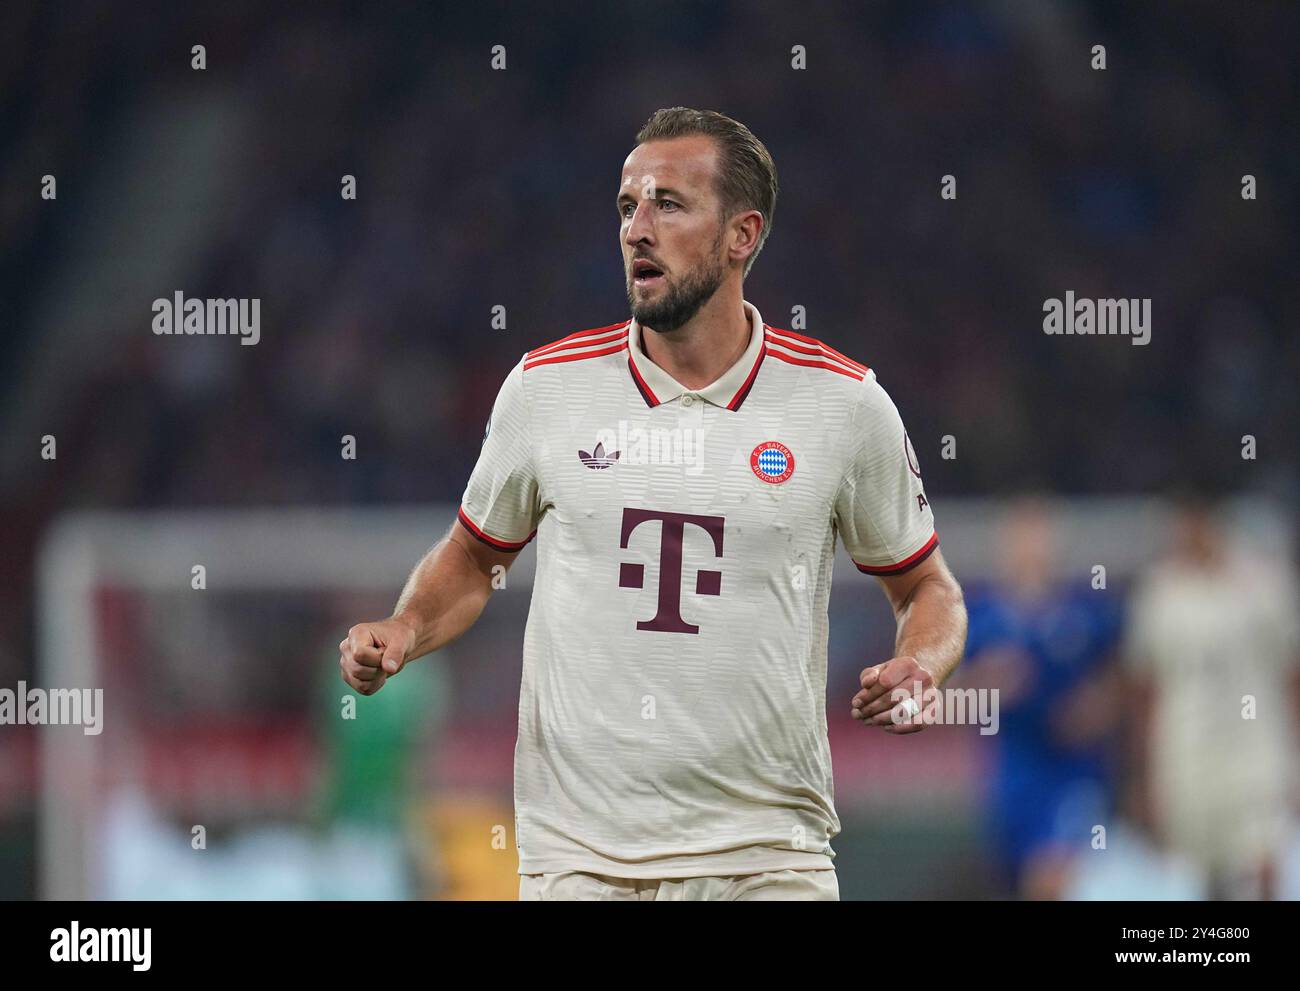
598,458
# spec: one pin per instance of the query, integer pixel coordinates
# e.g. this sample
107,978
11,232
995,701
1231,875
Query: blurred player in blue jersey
1048,645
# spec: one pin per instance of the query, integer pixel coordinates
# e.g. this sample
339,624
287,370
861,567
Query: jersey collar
728,391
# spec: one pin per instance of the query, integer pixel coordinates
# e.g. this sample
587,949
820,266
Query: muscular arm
448,589
931,617
443,597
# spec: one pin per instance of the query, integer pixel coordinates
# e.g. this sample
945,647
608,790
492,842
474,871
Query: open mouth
645,273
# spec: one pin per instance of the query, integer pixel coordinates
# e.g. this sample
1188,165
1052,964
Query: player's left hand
888,686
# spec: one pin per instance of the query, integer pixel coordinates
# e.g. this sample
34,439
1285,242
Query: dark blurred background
479,188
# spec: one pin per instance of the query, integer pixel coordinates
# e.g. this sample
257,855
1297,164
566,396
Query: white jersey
672,714
1221,647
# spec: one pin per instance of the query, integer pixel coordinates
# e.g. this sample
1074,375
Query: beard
681,300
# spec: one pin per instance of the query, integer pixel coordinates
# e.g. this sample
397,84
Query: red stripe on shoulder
792,337
553,358
791,360
579,337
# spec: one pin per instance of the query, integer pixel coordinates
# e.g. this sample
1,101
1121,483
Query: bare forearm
932,627
443,597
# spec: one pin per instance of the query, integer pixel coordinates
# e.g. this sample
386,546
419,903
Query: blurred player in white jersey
1213,644
686,473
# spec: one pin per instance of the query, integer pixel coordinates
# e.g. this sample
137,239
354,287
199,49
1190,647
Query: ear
744,230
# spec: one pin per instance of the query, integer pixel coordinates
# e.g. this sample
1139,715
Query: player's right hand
373,652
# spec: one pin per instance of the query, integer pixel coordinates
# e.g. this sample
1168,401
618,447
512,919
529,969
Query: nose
641,226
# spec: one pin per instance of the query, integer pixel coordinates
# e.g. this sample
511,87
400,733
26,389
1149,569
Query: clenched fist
900,681
371,652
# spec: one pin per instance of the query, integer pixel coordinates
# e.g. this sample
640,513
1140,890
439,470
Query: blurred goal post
300,550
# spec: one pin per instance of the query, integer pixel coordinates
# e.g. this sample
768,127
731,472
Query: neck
700,350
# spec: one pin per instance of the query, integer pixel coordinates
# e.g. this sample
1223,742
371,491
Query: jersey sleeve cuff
506,546
903,566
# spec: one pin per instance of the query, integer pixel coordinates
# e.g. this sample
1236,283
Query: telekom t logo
669,617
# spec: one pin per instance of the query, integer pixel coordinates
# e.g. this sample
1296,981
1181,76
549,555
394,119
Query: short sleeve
500,506
881,511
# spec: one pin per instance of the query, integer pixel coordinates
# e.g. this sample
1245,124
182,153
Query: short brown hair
746,178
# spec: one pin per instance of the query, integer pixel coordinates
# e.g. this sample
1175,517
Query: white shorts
803,886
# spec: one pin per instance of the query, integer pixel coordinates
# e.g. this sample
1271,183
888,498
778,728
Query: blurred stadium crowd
480,188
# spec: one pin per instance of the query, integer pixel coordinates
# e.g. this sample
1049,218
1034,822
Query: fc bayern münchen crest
772,462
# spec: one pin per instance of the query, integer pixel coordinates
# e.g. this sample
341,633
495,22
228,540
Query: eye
669,203
622,210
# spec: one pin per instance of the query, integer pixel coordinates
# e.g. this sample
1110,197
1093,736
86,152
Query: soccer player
686,474
1213,649
1047,645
